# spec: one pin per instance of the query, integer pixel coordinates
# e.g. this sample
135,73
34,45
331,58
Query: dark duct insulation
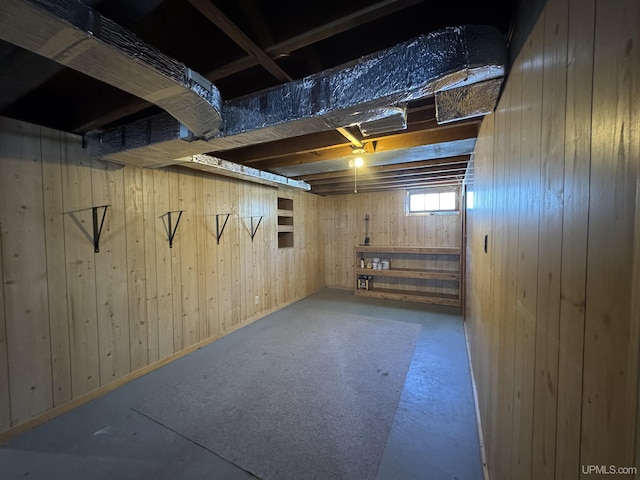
354,94
78,37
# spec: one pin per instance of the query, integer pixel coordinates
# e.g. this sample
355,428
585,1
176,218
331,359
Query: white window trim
456,190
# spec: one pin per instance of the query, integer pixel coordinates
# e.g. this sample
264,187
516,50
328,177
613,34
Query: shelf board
411,273
412,296
398,249
285,213
285,228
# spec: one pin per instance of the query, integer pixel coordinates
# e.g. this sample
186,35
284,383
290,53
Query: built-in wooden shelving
415,274
285,222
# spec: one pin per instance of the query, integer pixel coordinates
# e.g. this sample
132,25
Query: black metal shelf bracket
218,229
97,225
97,230
254,230
171,229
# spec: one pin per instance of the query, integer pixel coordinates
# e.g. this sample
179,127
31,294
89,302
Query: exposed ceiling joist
215,16
291,130
342,24
399,167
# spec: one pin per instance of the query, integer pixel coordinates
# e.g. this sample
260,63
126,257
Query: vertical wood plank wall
344,228
552,311
73,321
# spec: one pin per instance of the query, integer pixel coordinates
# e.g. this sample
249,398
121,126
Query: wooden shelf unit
416,274
285,222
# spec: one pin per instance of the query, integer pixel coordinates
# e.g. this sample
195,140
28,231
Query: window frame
427,190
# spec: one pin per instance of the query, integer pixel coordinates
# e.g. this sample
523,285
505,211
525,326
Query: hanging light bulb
356,163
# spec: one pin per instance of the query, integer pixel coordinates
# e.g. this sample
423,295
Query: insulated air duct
78,37
353,94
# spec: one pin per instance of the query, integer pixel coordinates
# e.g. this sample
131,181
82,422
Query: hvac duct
78,37
353,94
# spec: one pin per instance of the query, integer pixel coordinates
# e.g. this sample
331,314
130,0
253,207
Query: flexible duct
352,94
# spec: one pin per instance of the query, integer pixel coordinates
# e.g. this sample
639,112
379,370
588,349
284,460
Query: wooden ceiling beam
219,19
380,188
425,137
392,175
393,178
396,167
340,25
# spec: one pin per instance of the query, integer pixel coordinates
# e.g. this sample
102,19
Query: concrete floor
434,434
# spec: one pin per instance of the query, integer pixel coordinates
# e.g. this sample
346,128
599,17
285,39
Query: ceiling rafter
396,167
340,25
215,16
420,138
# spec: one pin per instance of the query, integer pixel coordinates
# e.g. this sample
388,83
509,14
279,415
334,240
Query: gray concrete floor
434,434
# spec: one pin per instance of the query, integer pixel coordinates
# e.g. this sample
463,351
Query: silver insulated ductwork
463,67
78,37
455,60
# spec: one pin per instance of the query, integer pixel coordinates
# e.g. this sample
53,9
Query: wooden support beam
462,159
215,16
424,137
361,17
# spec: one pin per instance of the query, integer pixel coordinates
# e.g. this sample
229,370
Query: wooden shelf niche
415,274
285,222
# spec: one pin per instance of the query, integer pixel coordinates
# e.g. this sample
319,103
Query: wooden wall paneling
163,260
260,256
271,250
500,253
521,246
317,254
300,254
5,399
224,252
175,252
56,266
395,215
257,252
334,235
610,352
550,244
24,272
151,267
245,211
487,201
327,232
188,256
236,272
496,246
478,326
81,279
201,259
309,252
136,270
211,250
380,208
107,181
635,306
574,236
313,239
528,189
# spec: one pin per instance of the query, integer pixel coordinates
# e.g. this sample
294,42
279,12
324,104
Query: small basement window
431,201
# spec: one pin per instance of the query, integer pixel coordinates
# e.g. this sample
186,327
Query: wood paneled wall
73,321
388,225
552,323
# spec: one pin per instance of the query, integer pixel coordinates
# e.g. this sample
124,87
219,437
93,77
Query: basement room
361,240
